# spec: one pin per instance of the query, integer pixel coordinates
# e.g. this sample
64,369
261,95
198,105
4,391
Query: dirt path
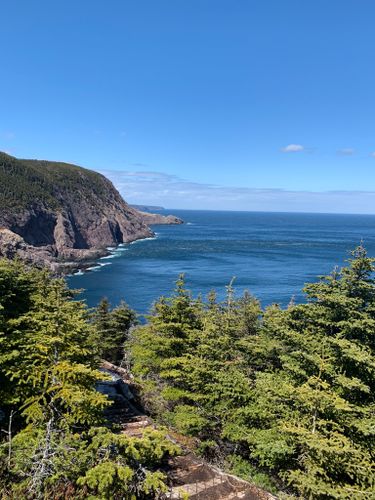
187,474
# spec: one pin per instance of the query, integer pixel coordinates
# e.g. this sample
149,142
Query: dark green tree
311,418
54,446
113,326
289,390
191,359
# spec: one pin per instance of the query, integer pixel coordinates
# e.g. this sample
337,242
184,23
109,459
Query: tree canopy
55,442
289,391
282,397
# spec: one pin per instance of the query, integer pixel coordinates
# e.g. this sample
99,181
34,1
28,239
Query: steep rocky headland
58,214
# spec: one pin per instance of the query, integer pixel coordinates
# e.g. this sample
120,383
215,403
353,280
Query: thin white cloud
346,152
158,188
372,154
7,135
139,165
293,148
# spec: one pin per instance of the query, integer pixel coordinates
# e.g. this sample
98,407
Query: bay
270,254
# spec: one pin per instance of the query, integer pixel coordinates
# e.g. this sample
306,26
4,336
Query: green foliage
47,351
26,183
97,462
287,391
112,327
245,470
53,445
191,359
291,390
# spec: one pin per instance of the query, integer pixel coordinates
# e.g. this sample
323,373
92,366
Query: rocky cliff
54,213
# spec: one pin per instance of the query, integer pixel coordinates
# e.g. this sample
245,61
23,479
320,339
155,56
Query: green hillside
25,182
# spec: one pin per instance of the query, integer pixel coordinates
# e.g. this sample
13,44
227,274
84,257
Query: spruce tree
312,414
289,390
55,446
112,327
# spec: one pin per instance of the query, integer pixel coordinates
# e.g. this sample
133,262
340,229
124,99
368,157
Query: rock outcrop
153,219
58,214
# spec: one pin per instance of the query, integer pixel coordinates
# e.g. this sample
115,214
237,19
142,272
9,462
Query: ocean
272,255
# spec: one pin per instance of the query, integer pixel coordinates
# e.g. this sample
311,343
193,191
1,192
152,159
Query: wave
98,266
143,239
120,250
93,268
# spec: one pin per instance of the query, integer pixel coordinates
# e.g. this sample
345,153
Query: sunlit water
271,254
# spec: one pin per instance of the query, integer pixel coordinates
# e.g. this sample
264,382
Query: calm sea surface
271,254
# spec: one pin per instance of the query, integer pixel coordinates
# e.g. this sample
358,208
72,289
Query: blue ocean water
271,254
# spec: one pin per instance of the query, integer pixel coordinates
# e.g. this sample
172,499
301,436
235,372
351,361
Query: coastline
67,261
80,267
109,252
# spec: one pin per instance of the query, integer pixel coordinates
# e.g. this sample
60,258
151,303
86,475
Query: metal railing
194,489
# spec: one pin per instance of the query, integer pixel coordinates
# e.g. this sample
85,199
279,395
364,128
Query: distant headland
147,208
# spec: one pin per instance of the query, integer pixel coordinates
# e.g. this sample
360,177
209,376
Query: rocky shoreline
13,246
80,267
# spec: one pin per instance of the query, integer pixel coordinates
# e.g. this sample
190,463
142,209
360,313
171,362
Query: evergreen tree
112,326
16,289
312,413
289,390
190,359
54,447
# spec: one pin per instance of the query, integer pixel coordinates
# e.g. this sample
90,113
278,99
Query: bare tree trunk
10,438
41,469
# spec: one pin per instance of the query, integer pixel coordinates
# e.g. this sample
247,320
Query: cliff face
54,212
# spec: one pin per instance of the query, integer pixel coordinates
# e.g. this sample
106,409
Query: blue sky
232,104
